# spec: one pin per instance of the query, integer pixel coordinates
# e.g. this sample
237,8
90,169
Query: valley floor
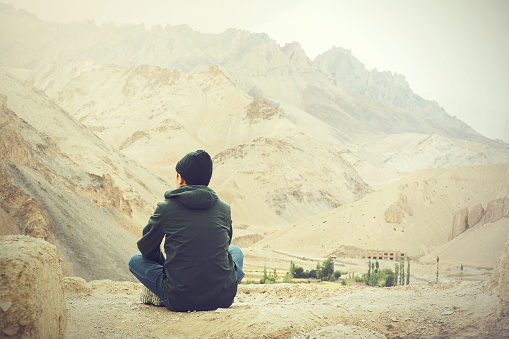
459,309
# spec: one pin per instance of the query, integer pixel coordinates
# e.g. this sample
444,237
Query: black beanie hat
195,168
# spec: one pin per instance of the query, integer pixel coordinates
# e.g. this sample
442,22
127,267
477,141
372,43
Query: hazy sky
455,52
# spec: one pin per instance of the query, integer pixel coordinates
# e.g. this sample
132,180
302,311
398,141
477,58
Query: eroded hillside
422,213
262,161
63,184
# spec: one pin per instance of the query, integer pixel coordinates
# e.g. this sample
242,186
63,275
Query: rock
247,240
5,305
496,210
447,312
30,218
465,218
340,331
459,223
32,298
75,286
105,193
500,280
475,215
394,214
499,283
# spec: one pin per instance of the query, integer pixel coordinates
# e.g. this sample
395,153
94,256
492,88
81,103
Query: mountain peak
296,54
341,62
9,9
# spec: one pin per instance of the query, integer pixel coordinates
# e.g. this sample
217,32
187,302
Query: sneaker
147,297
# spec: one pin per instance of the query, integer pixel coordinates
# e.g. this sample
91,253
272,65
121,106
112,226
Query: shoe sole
148,297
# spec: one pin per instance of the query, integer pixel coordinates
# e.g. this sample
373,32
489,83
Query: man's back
199,270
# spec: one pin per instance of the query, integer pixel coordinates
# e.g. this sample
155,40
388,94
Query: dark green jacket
199,272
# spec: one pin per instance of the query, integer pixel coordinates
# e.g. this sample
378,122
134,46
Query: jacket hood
196,197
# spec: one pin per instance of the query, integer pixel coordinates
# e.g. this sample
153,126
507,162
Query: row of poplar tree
387,277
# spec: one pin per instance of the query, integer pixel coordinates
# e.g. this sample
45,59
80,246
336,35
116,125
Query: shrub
380,278
337,275
288,278
298,272
396,273
250,281
389,281
311,274
268,278
388,276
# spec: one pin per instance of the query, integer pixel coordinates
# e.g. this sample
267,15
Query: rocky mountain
381,160
298,144
333,97
460,214
63,184
335,87
154,116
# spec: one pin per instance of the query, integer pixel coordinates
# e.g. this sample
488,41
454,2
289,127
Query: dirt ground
461,309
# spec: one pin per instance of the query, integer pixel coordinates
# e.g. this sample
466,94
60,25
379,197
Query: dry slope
414,216
459,309
63,184
154,115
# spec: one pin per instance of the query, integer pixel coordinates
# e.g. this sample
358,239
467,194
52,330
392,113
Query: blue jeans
150,273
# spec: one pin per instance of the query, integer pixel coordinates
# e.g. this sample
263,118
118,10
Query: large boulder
32,302
499,284
500,280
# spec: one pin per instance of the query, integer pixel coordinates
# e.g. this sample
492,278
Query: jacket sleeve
150,243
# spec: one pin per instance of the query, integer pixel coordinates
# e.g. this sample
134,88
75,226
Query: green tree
288,278
396,273
268,278
299,273
319,271
387,275
326,270
408,272
402,273
437,268
292,268
461,271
